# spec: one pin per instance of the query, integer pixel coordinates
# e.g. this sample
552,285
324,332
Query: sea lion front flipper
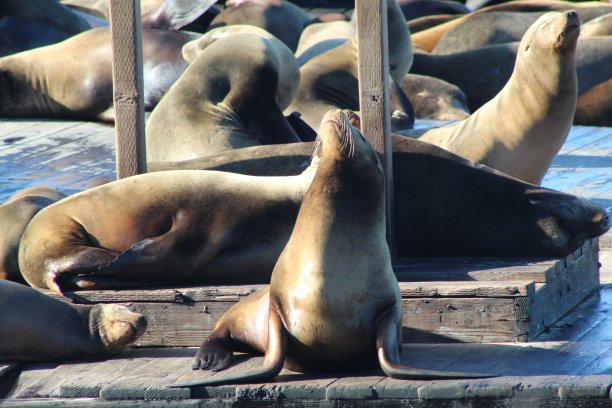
273,360
388,347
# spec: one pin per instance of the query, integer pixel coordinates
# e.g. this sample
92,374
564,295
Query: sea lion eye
527,47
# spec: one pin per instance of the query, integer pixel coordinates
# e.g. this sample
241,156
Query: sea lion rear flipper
388,347
273,361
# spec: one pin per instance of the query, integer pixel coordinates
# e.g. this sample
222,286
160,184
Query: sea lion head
554,31
569,220
339,135
118,327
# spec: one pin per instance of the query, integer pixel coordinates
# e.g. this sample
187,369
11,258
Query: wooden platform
501,302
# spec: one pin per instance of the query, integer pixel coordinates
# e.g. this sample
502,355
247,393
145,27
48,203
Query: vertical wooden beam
128,87
374,92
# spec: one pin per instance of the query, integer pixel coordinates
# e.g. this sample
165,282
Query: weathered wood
374,102
567,284
128,87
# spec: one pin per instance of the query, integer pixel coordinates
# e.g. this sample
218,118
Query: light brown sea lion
329,80
521,130
599,26
333,300
482,72
281,18
336,31
73,79
36,327
231,96
34,23
241,224
15,214
204,226
435,98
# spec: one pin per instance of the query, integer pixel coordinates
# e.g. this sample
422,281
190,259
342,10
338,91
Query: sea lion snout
120,326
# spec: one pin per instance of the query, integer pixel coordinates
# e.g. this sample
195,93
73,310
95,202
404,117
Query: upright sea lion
521,130
73,79
34,23
15,214
231,96
333,299
329,80
36,327
281,18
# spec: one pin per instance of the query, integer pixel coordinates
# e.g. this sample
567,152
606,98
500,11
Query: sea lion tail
387,344
273,361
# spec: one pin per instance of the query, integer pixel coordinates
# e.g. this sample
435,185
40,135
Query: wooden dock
491,315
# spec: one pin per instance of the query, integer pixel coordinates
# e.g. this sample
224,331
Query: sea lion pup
478,211
232,95
73,79
37,327
333,300
193,227
521,130
281,18
329,80
15,214
34,23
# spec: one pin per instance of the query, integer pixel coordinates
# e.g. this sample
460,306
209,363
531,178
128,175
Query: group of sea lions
238,192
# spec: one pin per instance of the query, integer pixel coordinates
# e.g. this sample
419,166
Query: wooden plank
460,319
374,101
128,87
354,388
16,134
30,377
472,269
568,284
467,289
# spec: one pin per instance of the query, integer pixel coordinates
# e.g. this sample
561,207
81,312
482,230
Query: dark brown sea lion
428,39
231,96
420,8
36,327
594,107
520,131
73,79
281,18
16,214
34,23
435,98
329,80
482,72
333,300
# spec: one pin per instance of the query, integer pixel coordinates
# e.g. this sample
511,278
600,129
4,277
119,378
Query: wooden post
128,87
374,92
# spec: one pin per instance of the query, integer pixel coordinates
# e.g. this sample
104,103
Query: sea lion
15,214
34,23
231,96
599,26
334,33
36,327
482,29
281,18
594,107
420,8
242,224
333,299
427,40
73,79
521,130
423,23
482,72
329,80
204,226
434,98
